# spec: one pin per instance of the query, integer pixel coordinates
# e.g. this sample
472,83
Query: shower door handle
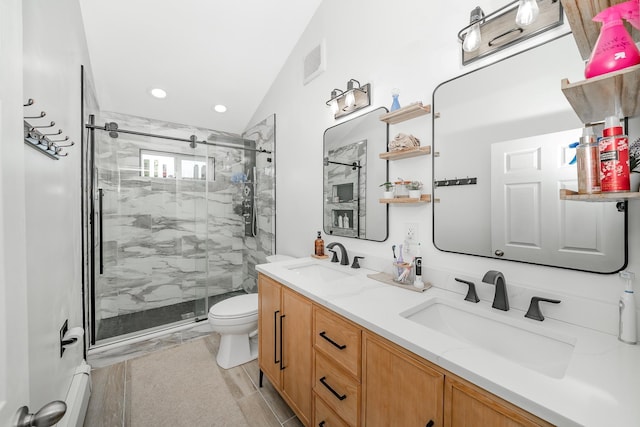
100,249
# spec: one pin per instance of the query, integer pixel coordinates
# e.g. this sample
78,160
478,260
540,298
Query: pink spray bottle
614,48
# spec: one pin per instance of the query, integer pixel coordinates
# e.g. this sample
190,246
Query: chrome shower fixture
112,128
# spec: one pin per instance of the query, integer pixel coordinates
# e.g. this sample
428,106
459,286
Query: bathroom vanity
346,350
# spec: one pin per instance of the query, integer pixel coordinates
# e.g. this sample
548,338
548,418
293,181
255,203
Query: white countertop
601,385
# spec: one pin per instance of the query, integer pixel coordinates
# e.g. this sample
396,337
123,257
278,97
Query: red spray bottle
614,48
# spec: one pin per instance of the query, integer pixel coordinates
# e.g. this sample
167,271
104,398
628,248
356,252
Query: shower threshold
139,321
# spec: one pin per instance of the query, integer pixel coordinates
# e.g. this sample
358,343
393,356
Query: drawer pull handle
430,423
321,424
323,334
335,393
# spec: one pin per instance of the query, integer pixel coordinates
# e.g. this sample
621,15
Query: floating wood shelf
603,197
585,31
406,113
596,98
425,198
405,154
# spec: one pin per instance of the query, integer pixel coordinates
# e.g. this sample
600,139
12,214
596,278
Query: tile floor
109,405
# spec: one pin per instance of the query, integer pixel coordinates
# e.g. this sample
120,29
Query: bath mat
191,386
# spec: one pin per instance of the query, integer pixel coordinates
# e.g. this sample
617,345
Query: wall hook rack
39,140
456,181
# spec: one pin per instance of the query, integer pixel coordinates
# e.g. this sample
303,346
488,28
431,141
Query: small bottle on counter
627,332
588,161
417,282
319,250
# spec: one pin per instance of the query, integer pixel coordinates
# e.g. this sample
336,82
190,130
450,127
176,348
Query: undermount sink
515,340
321,271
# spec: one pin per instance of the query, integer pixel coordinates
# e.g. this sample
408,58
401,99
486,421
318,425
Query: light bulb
350,99
334,106
527,12
472,39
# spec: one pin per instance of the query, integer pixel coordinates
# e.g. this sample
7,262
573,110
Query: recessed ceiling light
158,93
220,108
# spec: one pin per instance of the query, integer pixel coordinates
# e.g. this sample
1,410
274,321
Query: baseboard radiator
78,397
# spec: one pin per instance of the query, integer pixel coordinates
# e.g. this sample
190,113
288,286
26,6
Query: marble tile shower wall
169,240
264,242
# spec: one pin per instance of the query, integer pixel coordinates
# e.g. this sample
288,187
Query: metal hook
29,102
66,138
58,152
50,125
49,134
42,114
68,145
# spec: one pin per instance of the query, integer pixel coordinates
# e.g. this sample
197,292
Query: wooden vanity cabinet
467,405
285,347
399,389
333,372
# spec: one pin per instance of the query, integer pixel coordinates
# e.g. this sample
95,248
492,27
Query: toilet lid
238,306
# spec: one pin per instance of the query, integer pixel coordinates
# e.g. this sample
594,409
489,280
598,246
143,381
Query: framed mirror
352,173
502,154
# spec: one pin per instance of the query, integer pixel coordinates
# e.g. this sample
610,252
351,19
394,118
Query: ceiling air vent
314,63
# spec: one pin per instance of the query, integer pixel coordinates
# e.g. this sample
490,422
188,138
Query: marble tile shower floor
133,322
181,385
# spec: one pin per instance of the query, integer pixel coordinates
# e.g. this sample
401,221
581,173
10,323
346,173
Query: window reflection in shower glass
159,164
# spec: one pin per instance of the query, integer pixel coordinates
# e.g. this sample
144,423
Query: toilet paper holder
69,337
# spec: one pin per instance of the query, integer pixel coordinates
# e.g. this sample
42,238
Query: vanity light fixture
353,99
511,24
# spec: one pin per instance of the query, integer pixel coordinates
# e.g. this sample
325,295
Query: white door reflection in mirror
528,219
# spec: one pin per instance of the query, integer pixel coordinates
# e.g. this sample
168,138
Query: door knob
47,416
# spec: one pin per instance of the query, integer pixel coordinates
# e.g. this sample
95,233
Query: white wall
412,45
54,50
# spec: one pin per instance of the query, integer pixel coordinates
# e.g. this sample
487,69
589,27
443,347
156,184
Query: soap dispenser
627,330
319,246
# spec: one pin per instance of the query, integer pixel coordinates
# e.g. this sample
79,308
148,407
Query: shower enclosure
179,218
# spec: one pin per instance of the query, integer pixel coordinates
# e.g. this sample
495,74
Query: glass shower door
151,234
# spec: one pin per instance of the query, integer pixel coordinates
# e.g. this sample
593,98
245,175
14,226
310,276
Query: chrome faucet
344,258
500,299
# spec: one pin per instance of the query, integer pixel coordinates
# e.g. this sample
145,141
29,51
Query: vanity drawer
339,390
339,339
325,417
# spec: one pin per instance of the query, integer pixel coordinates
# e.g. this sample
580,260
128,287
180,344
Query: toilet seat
238,307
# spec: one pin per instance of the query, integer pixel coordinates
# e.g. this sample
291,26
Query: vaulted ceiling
201,52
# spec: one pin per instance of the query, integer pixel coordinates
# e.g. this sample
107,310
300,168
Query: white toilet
236,320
